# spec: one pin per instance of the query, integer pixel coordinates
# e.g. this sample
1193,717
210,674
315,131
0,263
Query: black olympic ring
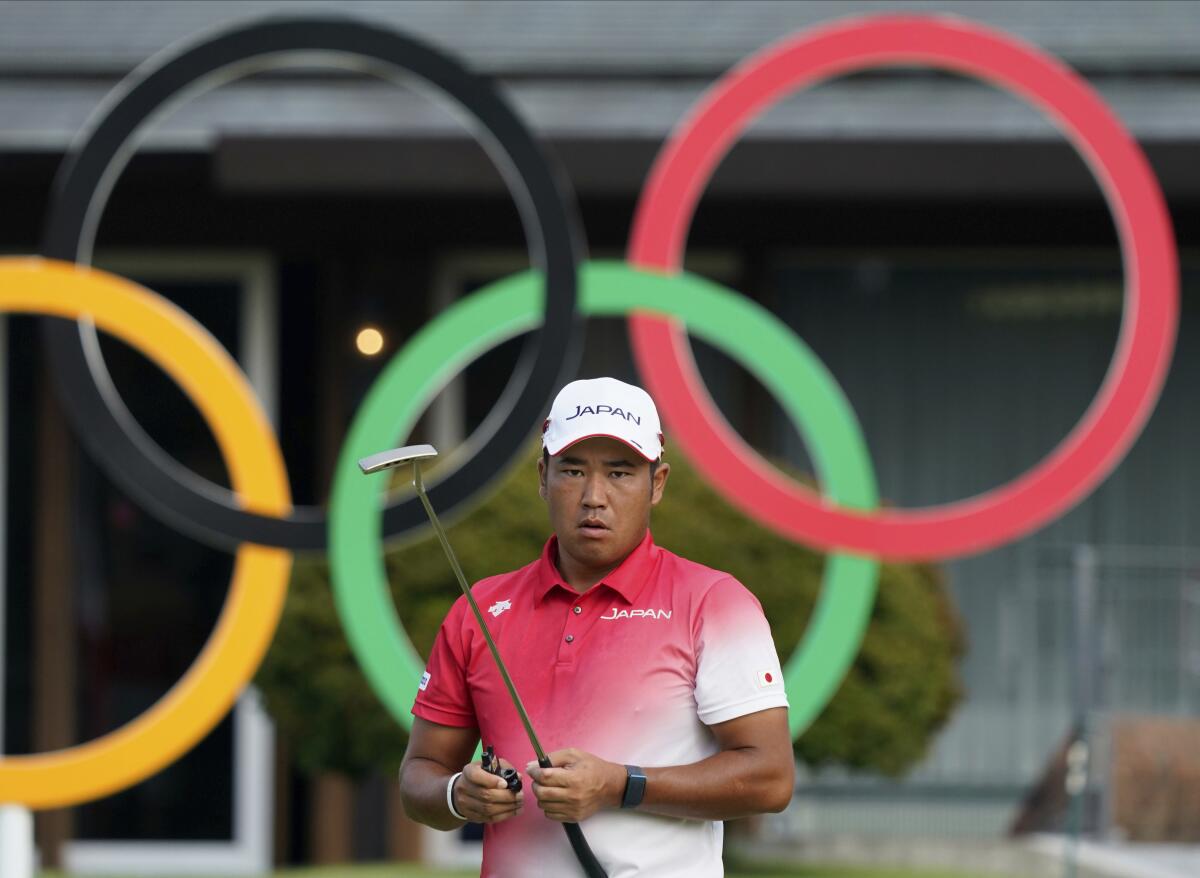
544,199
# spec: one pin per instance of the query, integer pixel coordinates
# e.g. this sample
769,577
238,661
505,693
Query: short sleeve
442,694
737,667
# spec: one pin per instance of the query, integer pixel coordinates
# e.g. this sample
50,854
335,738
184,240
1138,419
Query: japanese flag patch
767,679
424,681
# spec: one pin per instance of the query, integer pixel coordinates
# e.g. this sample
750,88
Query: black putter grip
583,853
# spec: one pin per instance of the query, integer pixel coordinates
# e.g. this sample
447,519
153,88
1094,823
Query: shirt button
577,610
570,638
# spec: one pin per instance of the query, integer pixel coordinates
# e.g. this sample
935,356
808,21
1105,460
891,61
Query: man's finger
546,795
489,796
550,777
560,758
492,813
492,797
476,775
473,800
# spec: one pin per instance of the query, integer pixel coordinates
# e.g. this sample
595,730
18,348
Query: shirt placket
572,629
581,616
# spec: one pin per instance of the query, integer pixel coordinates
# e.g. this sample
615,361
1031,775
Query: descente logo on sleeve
604,410
614,613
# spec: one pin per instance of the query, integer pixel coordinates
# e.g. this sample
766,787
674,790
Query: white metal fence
1091,630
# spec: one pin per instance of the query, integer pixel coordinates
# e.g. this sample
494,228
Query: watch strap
635,786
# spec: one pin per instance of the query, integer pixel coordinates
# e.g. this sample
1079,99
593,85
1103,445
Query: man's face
599,493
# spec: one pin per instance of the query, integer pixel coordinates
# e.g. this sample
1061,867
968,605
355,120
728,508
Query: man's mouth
593,526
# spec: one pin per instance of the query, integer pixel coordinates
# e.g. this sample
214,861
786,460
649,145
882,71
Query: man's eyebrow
579,461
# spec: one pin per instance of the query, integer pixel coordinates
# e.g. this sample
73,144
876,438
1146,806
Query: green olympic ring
742,329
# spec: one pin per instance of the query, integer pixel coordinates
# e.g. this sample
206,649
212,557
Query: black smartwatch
635,786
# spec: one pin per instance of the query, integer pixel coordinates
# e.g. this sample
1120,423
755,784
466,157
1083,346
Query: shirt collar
627,580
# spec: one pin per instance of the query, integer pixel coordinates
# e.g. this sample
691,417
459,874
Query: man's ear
542,477
658,482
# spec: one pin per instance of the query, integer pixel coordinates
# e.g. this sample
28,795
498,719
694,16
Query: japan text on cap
604,407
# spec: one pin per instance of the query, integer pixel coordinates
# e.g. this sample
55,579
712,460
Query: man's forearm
423,792
728,785
754,771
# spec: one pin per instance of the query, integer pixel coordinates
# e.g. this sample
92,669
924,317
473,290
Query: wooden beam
332,810
53,603
403,834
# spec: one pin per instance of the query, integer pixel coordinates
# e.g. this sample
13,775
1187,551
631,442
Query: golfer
653,681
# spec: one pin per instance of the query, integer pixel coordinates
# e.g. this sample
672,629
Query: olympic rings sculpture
112,435
212,380
662,304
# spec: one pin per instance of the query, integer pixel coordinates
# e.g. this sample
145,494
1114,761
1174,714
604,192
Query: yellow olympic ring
213,382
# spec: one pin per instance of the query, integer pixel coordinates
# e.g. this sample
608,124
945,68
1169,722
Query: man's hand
578,785
483,797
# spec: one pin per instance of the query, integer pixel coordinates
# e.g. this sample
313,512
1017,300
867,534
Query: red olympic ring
1148,324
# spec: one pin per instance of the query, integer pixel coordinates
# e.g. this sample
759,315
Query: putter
414,454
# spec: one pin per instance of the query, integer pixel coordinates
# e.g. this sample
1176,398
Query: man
625,655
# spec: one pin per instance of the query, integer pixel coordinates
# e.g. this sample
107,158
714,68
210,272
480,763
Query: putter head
395,457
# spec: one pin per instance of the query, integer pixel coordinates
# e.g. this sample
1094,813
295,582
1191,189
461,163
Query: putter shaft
414,453
466,590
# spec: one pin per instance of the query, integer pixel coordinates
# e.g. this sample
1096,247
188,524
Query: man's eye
619,474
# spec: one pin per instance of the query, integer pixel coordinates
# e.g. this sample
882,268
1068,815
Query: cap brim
623,440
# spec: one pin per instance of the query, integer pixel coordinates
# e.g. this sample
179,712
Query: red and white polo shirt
633,670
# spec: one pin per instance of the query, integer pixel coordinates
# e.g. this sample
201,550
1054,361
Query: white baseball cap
604,407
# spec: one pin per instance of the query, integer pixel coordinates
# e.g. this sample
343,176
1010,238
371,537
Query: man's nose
594,494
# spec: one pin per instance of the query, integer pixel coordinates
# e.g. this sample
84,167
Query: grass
841,872
406,871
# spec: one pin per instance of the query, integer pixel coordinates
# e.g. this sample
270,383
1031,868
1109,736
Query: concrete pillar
16,842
